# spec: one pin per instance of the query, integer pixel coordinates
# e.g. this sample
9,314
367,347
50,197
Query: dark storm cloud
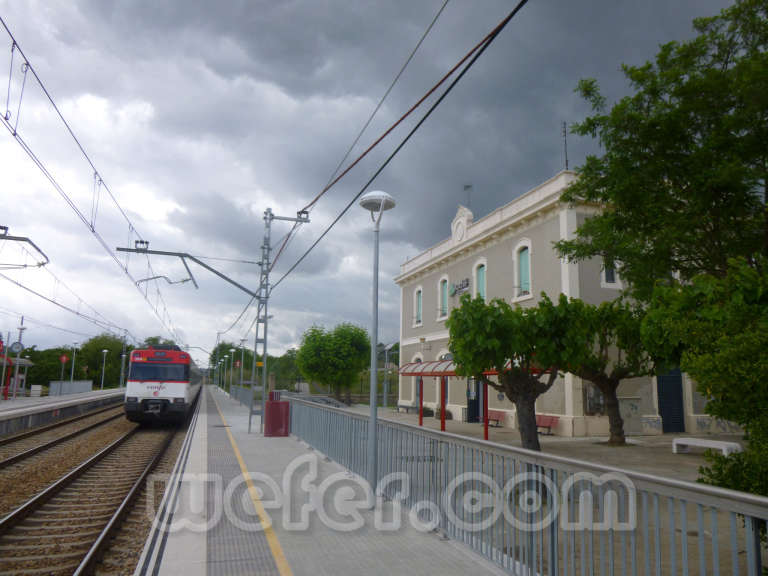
252,104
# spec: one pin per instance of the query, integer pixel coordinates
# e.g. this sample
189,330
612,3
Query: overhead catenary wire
90,224
332,179
477,53
100,323
31,320
59,282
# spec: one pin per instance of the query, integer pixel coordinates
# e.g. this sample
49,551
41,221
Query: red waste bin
277,418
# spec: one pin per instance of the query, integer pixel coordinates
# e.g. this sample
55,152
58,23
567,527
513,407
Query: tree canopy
682,180
607,348
334,358
717,329
536,342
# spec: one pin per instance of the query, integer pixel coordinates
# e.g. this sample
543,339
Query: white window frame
480,262
617,285
516,296
416,321
440,316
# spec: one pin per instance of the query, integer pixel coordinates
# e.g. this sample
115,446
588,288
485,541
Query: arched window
417,306
524,271
523,287
480,280
442,298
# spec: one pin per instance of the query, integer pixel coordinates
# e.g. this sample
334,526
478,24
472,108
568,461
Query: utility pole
18,355
262,315
5,362
122,360
261,295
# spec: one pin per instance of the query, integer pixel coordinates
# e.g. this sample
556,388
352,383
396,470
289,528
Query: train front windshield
159,372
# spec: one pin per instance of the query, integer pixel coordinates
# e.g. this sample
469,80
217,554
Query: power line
98,180
27,318
487,42
80,300
331,180
101,324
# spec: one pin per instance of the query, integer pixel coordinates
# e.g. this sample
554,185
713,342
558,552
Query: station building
509,254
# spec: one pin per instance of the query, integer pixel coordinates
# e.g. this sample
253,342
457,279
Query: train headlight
131,399
178,400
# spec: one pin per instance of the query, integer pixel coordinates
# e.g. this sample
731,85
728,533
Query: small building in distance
509,254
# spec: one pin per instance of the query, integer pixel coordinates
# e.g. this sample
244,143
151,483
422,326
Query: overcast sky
199,115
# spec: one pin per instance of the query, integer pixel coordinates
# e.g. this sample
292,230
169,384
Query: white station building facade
509,254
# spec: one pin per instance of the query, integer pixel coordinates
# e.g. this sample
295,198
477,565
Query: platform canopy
438,368
442,368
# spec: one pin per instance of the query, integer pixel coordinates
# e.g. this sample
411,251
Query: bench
497,416
546,421
683,445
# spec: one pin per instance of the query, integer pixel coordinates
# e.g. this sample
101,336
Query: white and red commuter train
162,385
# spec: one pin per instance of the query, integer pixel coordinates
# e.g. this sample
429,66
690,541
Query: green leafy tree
158,341
285,370
333,359
607,347
535,341
682,182
244,356
90,358
717,329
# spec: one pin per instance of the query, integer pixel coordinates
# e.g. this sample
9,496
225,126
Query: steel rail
13,518
55,442
88,564
48,427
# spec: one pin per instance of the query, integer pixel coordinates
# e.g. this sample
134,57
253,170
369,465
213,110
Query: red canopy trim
443,368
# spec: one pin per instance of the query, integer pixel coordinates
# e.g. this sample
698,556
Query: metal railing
534,513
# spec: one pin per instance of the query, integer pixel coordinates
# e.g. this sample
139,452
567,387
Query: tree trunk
526,421
615,422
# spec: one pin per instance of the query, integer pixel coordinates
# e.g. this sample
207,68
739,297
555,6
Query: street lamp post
231,367
224,384
376,203
242,358
74,356
103,366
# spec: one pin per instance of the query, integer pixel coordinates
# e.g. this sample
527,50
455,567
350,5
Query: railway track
65,528
16,448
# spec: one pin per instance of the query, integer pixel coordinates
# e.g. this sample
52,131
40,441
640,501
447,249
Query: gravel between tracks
54,538
23,480
124,553
43,437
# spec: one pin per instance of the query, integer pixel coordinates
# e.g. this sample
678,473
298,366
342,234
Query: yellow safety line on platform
274,545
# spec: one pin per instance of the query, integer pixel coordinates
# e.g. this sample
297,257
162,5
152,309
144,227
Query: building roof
518,210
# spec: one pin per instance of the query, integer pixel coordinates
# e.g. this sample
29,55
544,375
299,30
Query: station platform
21,413
240,503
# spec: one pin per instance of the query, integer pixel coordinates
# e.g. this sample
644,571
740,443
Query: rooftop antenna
565,143
468,191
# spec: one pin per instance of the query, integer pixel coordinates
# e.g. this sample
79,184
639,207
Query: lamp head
376,201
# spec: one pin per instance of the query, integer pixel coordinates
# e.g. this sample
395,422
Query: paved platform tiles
26,402
316,550
648,454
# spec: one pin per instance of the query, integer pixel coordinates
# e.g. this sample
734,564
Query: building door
670,389
473,401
